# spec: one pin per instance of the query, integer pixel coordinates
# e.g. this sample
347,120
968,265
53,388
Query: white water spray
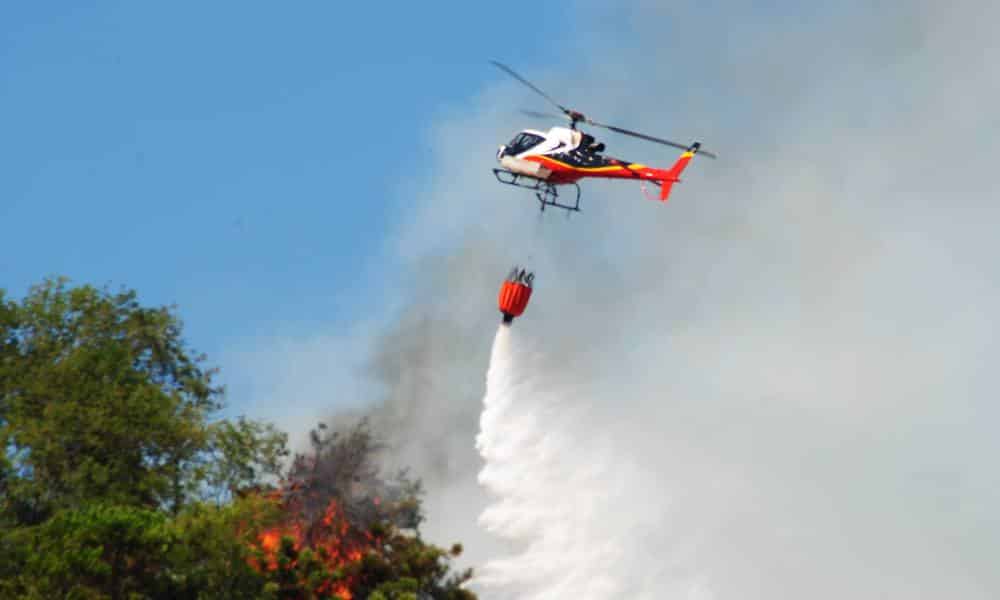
562,492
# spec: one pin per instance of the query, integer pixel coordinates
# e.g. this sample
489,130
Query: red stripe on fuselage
566,173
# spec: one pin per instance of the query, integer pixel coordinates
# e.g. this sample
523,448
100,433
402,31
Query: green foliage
242,455
92,552
404,566
213,553
117,481
99,400
104,551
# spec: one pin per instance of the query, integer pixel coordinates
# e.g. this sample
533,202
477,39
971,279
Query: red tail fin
674,173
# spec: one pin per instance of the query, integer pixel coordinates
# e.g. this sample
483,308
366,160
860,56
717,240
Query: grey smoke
793,358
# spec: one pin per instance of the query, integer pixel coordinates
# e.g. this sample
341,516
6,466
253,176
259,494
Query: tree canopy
119,478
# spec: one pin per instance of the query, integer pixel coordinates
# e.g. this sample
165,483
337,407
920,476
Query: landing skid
546,192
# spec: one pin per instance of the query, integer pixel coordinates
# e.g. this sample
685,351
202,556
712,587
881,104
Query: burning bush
347,532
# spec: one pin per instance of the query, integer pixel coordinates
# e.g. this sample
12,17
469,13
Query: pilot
589,144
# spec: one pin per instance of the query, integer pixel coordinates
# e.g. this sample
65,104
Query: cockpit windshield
523,141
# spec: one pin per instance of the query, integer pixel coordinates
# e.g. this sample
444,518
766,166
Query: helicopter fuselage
559,156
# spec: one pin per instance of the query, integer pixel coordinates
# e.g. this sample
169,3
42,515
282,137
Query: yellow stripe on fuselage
575,168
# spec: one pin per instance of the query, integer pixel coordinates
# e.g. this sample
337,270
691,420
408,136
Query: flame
270,540
336,542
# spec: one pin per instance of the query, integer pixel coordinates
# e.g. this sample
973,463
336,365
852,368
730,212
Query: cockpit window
522,142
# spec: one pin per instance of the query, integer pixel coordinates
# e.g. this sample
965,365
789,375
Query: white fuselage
557,140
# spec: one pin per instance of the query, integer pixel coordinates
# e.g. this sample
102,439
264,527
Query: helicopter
543,161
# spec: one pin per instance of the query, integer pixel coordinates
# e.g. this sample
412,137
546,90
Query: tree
106,445
117,479
99,399
97,550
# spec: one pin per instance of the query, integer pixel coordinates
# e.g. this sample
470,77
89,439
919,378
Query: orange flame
330,538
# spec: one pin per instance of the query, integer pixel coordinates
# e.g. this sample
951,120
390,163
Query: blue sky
242,160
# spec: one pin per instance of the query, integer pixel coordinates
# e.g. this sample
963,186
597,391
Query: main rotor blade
576,116
511,72
649,138
541,115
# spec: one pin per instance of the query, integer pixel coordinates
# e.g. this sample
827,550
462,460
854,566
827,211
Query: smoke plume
779,384
781,376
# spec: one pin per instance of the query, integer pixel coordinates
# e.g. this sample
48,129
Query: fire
337,543
270,540
332,506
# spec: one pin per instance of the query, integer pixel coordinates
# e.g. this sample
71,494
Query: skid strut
546,192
